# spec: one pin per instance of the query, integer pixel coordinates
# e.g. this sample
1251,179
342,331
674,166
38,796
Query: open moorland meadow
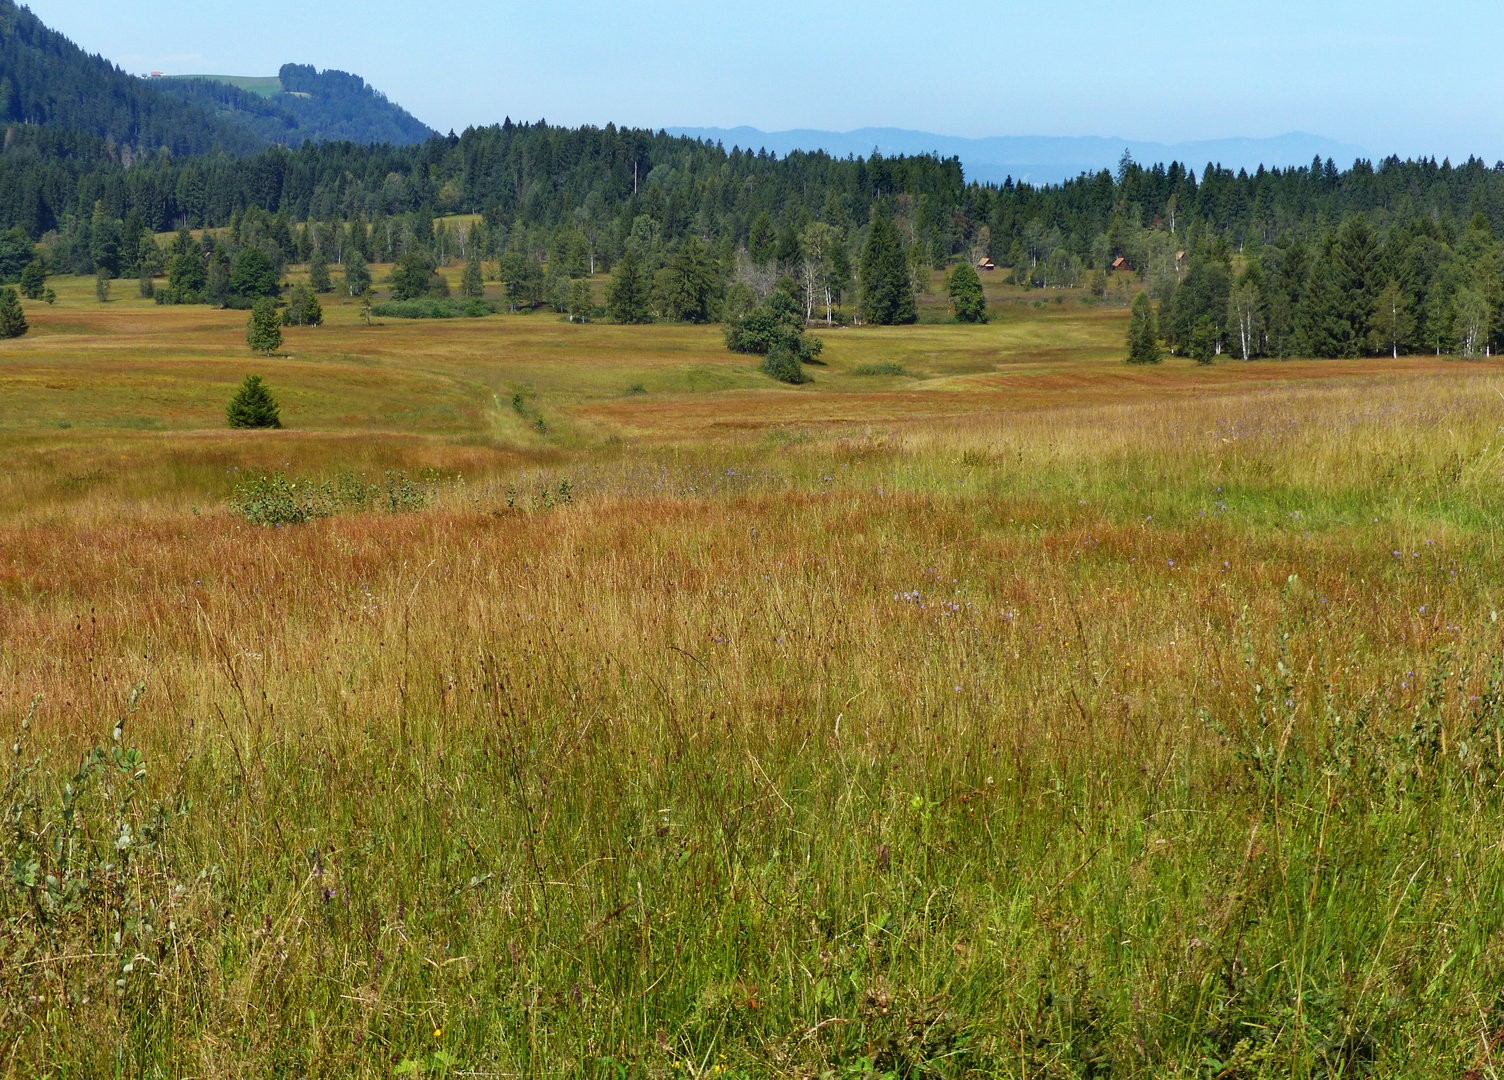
983,708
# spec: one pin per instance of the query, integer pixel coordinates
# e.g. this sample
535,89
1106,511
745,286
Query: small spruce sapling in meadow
50,296
102,286
146,284
966,298
263,331
12,318
33,280
253,406
1143,333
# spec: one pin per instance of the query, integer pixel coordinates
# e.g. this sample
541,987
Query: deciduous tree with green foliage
581,301
357,273
412,276
1391,322
627,292
303,308
253,406
774,326
1143,332
254,276
12,318
318,272
964,286
472,281
263,331
33,280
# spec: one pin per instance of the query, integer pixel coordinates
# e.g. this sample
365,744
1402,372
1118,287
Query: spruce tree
887,295
102,286
966,297
263,331
253,406
761,240
1143,333
627,292
318,272
688,283
472,282
12,318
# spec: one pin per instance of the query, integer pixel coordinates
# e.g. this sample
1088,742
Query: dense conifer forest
316,106
1398,256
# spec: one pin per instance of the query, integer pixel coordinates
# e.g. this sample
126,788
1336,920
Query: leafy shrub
784,366
277,500
774,326
87,875
880,369
432,308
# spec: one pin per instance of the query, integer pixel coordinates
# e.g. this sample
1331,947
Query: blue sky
1389,76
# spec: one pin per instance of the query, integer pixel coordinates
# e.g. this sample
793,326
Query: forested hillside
1302,261
46,79
1280,262
315,106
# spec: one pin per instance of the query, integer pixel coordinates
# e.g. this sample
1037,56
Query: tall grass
1150,741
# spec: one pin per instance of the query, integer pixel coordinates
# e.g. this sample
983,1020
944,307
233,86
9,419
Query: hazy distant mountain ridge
312,106
1039,159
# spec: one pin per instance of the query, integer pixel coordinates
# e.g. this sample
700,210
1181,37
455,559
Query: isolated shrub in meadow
784,366
253,406
102,286
276,499
12,318
263,331
776,323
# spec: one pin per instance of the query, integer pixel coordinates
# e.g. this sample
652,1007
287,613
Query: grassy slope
1026,716
266,86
